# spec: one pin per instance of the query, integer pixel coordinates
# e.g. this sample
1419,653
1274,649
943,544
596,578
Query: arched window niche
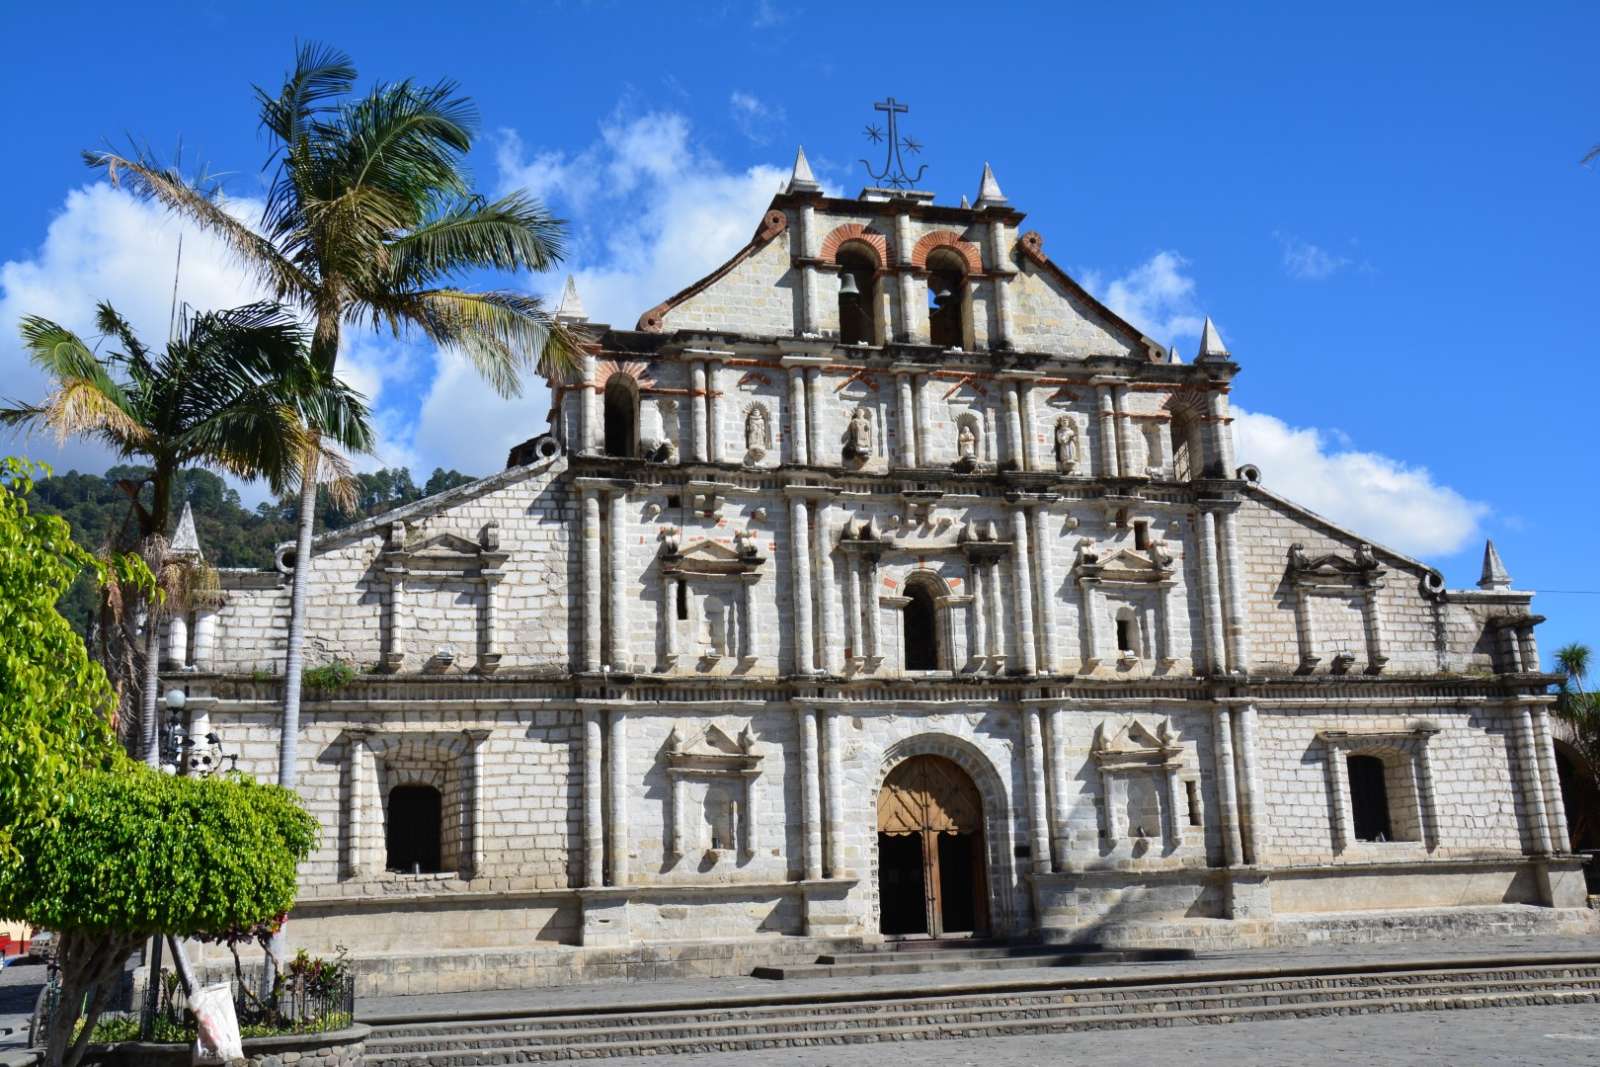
1187,454
923,642
622,416
859,317
947,299
414,830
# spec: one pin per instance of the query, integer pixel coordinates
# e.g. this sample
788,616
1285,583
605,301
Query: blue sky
1384,213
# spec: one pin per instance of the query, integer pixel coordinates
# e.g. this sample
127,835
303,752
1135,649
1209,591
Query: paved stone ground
698,990
1492,1037
19,988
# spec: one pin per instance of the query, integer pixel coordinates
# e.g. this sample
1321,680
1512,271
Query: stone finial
801,180
1495,578
989,190
571,307
1211,346
965,203
1172,354
185,541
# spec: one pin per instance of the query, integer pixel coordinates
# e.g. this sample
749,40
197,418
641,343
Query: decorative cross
894,169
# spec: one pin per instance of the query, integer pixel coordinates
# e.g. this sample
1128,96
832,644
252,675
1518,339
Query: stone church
884,583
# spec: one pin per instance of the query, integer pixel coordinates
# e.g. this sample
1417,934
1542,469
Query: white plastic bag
218,1040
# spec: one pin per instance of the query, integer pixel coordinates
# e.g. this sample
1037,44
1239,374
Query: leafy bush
329,677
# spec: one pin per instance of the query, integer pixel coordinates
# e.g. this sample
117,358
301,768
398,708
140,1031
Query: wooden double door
931,870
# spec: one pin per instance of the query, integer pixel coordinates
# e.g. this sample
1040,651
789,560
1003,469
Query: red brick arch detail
854,231
946,239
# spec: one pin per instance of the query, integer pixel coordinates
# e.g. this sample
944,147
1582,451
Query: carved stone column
1167,607
1093,624
714,410
1014,448
833,794
1372,617
1550,779
1060,799
1033,743
1304,628
805,659
1030,436
1108,434
798,451
1533,791
1238,632
924,454
1249,783
593,792
815,427
810,313
177,656
474,791
1002,285
619,657
697,411
913,312
828,647
1125,464
810,794
360,785
980,607
873,609
489,646
593,657
1427,798
907,420
1211,594
669,621
1046,582
617,822
1221,435
1339,786
399,621
852,608
997,632
1227,787
590,423
1022,590
747,617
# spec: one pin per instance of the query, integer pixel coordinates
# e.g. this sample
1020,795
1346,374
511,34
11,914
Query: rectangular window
1192,789
1141,535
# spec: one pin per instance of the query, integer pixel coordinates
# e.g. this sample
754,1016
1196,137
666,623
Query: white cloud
1156,296
1392,502
757,120
652,212
1308,262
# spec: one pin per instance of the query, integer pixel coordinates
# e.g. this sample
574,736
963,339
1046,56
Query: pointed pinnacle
802,180
1172,354
185,541
571,307
1211,346
1494,577
989,189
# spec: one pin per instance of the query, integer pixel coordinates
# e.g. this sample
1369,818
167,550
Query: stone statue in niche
757,432
858,436
966,448
1066,445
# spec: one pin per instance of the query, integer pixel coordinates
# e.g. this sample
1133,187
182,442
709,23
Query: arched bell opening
622,416
858,294
947,299
932,859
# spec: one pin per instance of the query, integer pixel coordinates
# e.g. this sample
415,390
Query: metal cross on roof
894,168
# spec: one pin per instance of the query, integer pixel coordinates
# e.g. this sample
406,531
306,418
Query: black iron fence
297,1005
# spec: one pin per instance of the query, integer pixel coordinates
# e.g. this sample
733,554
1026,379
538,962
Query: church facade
885,583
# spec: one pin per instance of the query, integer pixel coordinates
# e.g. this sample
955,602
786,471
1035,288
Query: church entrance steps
978,1009
933,957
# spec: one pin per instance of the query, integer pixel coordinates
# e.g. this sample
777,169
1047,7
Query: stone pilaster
593,657
699,448
476,801
714,410
1046,583
980,611
1109,467
1014,443
618,585
833,793
1211,594
1022,590
1244,719
177,656
1227,788
617,826
815,429
593,798
907,420
924,454
1550,780
1060,798
1221,435
805,659
810,794
1002,285
829,647
852,609
205,638
1033,744
913,312
799,453
1119,421
359,784
1339,787
1533,792
810,312
1232,567
590,422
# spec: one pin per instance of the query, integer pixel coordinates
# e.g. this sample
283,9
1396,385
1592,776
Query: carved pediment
447,552
1358,569
712,558
1154,564
1133,745
709,750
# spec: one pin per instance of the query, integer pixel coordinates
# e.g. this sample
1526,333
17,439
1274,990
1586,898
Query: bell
847,286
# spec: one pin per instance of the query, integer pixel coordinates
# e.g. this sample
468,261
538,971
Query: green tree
233,389
133,854
1578,707
370,217
56,700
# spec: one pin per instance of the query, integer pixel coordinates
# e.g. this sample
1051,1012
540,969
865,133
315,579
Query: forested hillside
231,534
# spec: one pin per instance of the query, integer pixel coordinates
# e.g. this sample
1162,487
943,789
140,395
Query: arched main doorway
931,876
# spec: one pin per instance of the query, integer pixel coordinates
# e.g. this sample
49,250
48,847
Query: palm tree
225,392
370,218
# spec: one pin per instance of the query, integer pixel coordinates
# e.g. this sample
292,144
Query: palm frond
409,139
188,200
514,232
320,73
112,324
502,333
81,406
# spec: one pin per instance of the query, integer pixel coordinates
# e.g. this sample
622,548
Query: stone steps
839,1019
977,958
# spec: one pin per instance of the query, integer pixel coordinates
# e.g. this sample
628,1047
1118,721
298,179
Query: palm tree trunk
289,741
149,718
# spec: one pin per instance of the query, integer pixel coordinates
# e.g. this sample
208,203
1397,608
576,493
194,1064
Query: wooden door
931,798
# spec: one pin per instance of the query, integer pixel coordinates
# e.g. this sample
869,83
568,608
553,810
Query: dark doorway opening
1369,799
931,874
902,884
921,627
412,829
622,417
